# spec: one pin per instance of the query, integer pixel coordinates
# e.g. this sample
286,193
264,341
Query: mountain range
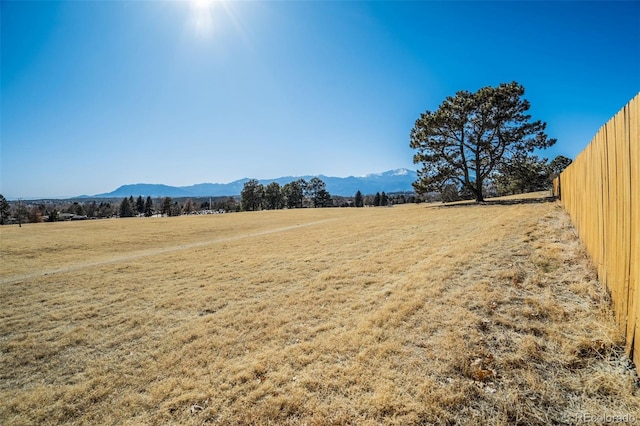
398,180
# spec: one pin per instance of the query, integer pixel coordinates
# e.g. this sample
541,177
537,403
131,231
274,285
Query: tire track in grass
152,252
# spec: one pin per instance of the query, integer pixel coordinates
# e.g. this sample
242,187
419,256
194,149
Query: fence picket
601,192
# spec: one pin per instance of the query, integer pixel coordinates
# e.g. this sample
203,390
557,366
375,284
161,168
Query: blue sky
99,94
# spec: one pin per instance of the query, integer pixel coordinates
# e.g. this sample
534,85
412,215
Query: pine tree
175,209
384,200
53,215
316,191
359,200
323,199
4,209
105,210
252,194
125,208
273,198
166,206
148,207
294,193
140,204
472,135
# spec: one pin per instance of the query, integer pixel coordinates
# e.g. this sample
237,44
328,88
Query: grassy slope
408,315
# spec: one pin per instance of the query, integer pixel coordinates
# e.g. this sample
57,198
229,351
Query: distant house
71,216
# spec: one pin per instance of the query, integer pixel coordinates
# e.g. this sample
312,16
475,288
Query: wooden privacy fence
601,192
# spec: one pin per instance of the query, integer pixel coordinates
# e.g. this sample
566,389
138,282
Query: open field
415,314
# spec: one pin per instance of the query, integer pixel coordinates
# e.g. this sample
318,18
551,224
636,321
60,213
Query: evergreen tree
77,209
4,210
167,202
359,200
384,200
125,208
175,209
273,198
294,193
376,200
557,165
148,207
251,195
105,210
524,173
53,216
140,204
471,135
317,193
323,199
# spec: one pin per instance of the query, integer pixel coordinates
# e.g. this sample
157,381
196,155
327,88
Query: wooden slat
633,136
601,192
623,230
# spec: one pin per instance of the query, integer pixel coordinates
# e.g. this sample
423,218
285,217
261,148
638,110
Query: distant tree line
139,207
296,194
60,210
313,193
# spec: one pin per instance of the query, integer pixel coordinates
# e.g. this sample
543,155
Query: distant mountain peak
397,180
395,172
400,172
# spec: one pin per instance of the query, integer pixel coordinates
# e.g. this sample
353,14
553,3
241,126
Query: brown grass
473,314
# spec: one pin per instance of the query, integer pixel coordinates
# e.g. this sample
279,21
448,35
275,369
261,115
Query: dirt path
152,252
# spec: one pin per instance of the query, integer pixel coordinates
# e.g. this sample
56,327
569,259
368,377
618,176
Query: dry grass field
415,314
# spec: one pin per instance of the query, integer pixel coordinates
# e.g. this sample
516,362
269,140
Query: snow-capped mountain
398,180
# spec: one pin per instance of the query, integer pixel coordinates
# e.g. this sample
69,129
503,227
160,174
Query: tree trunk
479,197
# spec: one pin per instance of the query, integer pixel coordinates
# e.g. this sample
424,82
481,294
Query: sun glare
202,12
201,4
208,16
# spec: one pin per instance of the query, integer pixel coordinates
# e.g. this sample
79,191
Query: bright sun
202,5
202,16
